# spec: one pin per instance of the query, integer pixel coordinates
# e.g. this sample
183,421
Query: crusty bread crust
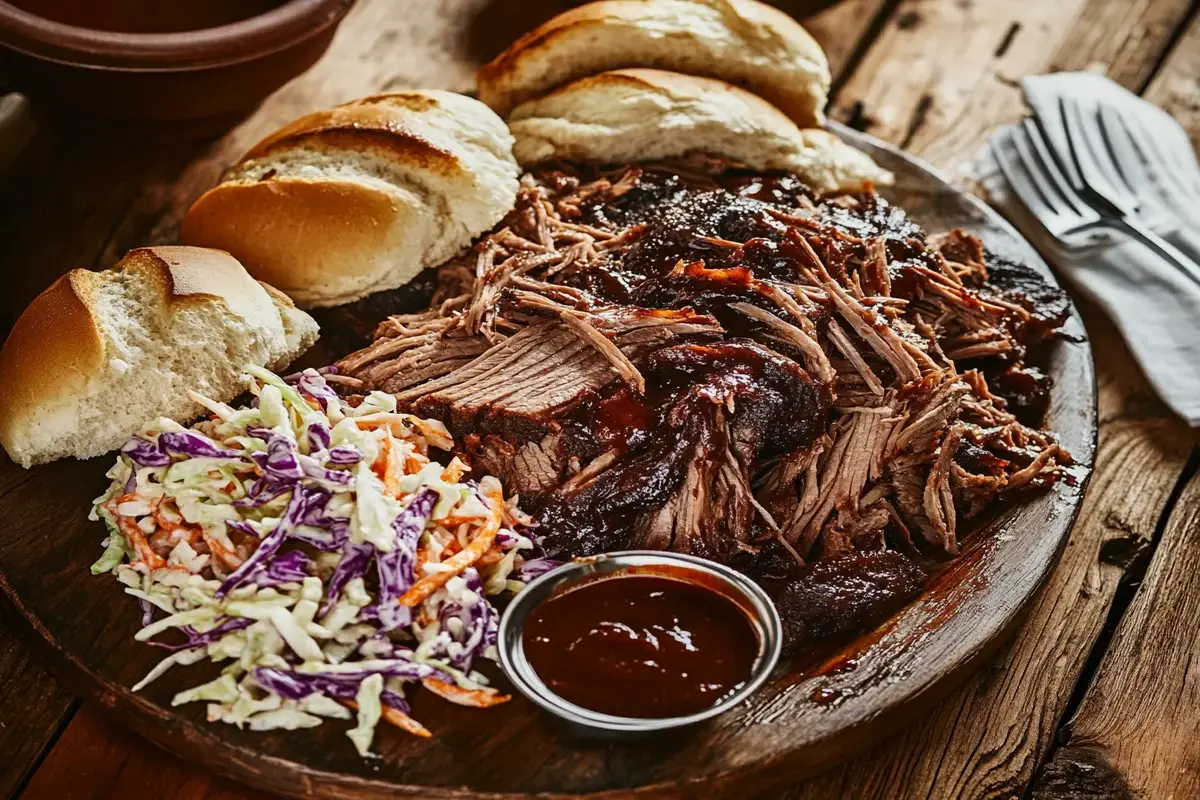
743,42
53,350
99,353
632,115
360,198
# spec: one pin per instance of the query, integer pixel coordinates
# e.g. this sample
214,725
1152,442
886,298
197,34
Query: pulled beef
844,594
696,357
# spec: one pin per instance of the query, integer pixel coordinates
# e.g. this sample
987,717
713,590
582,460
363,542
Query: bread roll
360,198
644,115
743,42
100,353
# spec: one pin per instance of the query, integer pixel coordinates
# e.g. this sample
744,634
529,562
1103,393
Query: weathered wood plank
95,759
934,80
1137,727
1176,86
1139,723
945,72
33,708
841,28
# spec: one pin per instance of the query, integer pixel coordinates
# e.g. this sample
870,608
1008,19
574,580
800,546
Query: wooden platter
809,717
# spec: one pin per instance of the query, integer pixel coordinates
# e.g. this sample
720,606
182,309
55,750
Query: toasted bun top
645,115
744,42
360,198
98,353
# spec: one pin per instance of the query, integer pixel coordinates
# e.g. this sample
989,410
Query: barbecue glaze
641,646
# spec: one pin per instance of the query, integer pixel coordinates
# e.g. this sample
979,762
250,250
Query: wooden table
1098,695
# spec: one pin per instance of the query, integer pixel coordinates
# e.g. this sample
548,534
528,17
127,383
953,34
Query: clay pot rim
245,40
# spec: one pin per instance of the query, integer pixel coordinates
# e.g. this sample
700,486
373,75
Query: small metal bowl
736,587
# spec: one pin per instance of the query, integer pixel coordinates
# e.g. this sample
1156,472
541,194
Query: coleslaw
314,548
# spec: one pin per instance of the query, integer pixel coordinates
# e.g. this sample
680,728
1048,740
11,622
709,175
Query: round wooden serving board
804,720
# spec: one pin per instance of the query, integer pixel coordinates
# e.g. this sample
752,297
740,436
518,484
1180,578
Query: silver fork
1096,171
1139,165
1186,183
1027,165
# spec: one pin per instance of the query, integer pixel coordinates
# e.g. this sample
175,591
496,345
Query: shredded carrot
459,561
454,470
393,466
476,698
451,522
227,556
137,540
493,556
398,718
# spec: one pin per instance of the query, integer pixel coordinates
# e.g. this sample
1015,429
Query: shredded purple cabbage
318,437
313,384
341,685
397,568
147,611
342,455
333,479
145,454
355,561
261,492
194,639
270,544
290,567
280,463
190,443
536,567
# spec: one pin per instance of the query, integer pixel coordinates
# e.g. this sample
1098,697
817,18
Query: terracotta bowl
193,82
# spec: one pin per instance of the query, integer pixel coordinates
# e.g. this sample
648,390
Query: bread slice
360,198
743,42
98,354
645,115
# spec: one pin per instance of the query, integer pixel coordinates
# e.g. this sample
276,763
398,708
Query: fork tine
1126,161
1049,167
1019,176
1081,140
1153,154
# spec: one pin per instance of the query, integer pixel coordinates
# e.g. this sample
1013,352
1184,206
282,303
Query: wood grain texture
944,73
1137,729
35,708
95,759
1139,723
1176,85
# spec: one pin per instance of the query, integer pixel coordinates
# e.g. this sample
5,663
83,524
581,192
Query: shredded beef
695,357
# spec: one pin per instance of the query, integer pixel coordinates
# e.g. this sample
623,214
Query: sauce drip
146,16
641,646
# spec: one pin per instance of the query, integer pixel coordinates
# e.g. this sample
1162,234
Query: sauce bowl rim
755,603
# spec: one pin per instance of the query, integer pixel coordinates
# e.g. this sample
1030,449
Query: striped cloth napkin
1154,305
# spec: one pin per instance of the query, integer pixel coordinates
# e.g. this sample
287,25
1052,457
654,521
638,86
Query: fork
1187,184
1039,184
1145,174
1100,183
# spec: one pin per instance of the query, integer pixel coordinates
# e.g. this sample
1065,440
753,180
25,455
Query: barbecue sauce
641,646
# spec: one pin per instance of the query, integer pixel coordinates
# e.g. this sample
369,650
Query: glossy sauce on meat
641,646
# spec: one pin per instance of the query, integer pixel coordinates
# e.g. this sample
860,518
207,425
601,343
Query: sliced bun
360,198
744,42
98,354
645,115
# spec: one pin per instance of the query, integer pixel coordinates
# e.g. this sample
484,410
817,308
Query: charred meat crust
696,357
